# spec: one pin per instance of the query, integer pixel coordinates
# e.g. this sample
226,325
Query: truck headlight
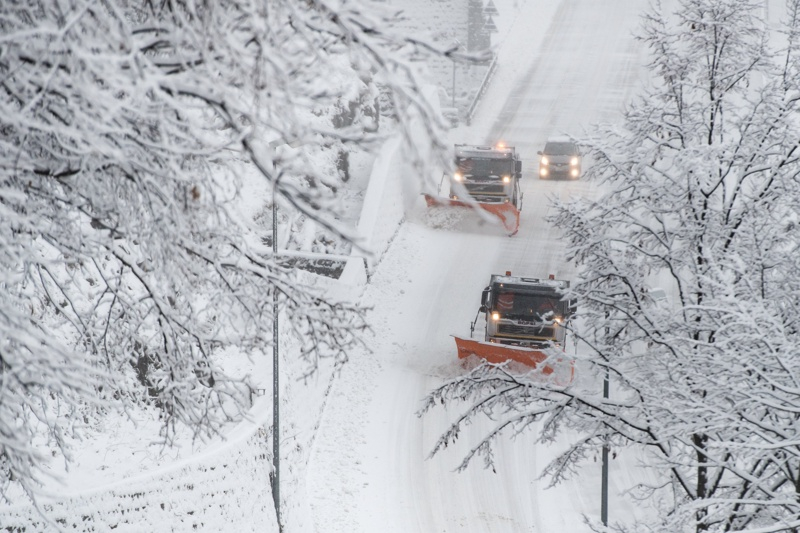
495,316
506,179
458,177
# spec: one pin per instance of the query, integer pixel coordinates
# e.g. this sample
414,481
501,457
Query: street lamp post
604,481
457,43
453,103
604,474
276,457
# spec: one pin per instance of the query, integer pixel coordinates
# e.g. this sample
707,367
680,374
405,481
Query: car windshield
520,305
485,167
560,148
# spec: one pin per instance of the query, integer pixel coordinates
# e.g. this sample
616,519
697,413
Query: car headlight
543,171
574,172
545,161
574,161
506,179
458,177
495,316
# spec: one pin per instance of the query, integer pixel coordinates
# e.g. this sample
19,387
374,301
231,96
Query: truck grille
485,188
528,332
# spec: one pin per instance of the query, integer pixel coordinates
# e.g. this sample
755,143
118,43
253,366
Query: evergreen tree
478,38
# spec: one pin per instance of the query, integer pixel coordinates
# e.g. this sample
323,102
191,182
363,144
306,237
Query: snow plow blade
506,212
500,353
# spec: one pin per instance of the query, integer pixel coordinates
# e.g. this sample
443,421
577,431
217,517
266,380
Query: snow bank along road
563,66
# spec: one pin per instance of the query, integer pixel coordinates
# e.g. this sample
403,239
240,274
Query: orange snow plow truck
525,319
486,177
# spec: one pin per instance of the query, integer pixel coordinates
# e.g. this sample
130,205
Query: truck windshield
526,306
485,167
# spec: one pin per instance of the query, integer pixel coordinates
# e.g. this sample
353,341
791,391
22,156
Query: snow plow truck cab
488,174
525,319
485,177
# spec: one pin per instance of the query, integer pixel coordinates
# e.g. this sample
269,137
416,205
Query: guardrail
484,85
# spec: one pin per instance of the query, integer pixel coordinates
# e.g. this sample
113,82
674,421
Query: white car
560,158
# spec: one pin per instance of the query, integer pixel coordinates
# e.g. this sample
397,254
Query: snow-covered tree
478,37
699,197
128,256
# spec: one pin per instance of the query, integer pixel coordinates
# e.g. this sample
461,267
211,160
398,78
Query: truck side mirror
518,166
573,307
484,299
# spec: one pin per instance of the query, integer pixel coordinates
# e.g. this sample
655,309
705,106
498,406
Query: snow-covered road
562,66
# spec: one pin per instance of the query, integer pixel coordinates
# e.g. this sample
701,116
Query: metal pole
454,84
604,482
276,456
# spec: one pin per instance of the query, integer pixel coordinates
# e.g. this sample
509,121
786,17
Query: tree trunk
699,441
